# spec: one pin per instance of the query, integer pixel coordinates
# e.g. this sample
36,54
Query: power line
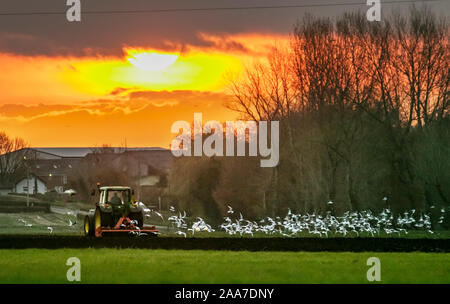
174,10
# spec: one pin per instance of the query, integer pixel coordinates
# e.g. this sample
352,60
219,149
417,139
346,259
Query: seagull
385,198
29,225
358,223
181,233
50,229
230,210
330,203
159,214
70,192
138,233
172,209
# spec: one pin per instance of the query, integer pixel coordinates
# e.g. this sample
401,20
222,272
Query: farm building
30,185
51,169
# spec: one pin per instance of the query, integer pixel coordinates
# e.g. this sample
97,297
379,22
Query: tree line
364,123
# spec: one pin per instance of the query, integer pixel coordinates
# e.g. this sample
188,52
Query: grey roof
83,151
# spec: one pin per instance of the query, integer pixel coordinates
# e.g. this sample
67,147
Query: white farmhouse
24,186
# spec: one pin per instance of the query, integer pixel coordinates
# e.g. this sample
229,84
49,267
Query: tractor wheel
89,225
139,217
101,219
107,220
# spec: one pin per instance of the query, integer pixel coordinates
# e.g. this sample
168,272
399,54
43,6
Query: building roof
80,152
83,151
41,178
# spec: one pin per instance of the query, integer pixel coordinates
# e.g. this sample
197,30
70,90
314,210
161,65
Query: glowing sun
151,61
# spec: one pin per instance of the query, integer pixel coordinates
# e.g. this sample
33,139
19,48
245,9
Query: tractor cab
118,200
116,211
115,196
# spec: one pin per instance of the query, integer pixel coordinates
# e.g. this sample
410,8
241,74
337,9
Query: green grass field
179,266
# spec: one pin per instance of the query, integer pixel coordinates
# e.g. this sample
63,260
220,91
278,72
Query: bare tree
13,156
363,110
349,95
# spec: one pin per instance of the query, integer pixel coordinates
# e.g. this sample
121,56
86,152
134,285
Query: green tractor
116,212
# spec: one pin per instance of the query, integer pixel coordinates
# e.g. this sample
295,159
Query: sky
123,79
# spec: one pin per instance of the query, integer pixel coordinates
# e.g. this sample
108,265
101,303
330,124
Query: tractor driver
115,200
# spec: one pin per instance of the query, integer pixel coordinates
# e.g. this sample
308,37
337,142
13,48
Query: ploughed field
65,222
64,230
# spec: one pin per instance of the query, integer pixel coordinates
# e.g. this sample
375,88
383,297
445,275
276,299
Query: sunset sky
125,78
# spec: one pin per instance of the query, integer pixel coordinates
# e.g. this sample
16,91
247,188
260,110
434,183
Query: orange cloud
33,80
143,119
245,45
85,101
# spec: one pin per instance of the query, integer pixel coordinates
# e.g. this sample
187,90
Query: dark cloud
225,44
106,34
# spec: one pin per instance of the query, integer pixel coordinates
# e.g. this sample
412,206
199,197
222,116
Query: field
110,265
37,223
179,266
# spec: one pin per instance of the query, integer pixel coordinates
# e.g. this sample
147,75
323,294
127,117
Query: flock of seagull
180,222
49,228
292,225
